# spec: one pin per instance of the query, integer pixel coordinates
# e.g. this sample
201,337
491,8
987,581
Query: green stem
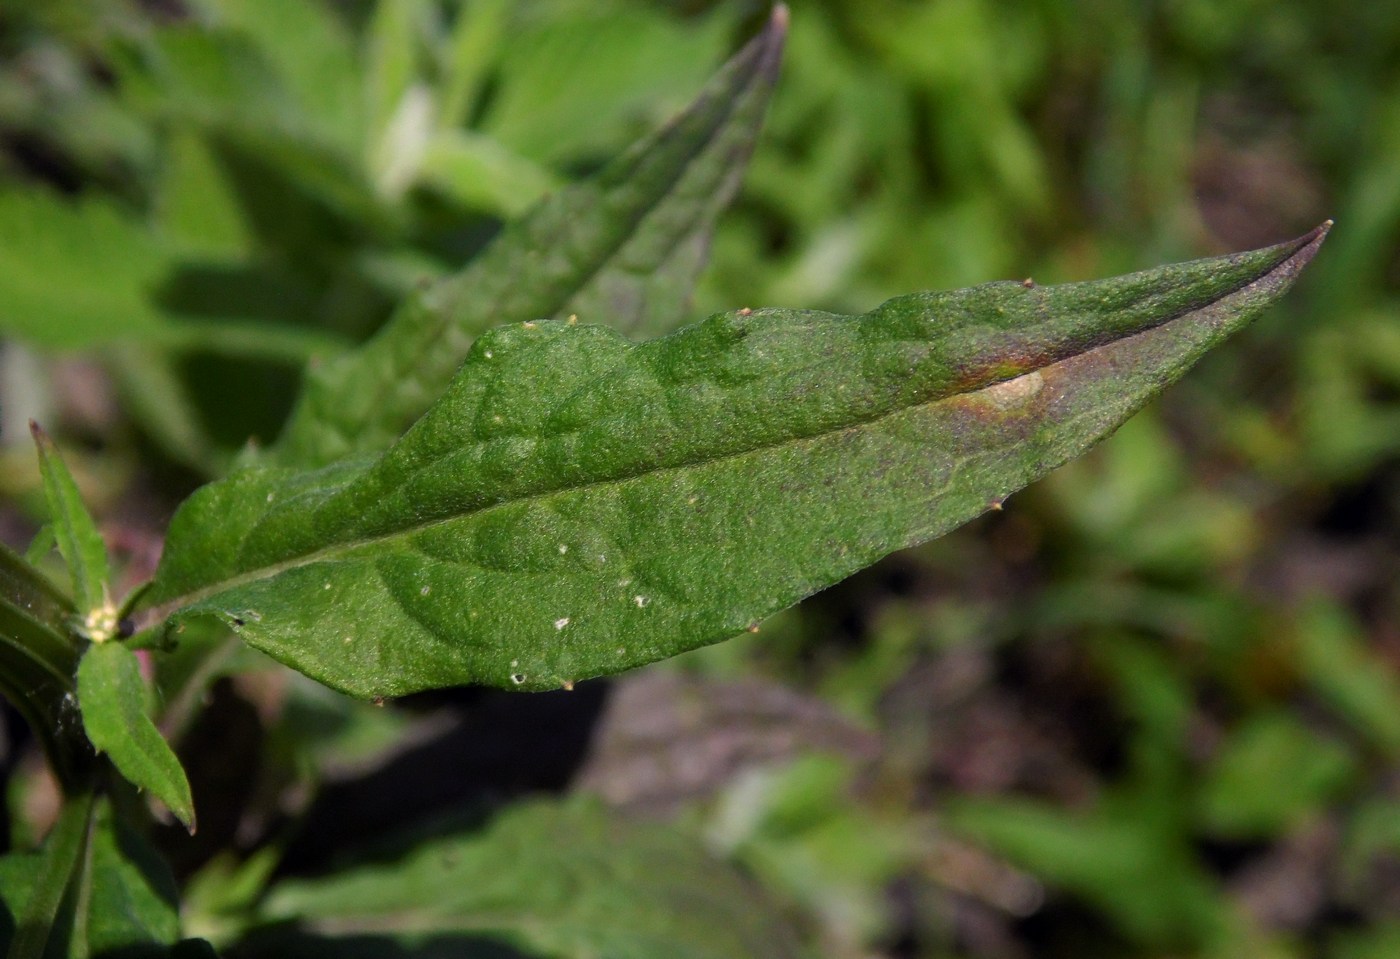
64,859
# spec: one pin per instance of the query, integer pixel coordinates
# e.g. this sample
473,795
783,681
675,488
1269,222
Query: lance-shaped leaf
623,248
577,504
94,889
551,880
78,540
112,697
37,907
37,659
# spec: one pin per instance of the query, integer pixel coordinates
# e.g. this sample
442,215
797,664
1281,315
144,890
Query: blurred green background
1151,709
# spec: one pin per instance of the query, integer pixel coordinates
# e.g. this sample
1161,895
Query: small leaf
112,697
43,543
623,248
1271,774
553,880
577,504
78,540
38,657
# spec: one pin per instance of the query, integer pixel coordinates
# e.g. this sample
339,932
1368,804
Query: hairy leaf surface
555,880
623,248
112,697
78,540
577,504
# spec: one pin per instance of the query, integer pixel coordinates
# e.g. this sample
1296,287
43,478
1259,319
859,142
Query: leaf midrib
342,548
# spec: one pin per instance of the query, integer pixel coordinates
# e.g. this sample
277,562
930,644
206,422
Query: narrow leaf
132,905
623,248
30,590
78,540
112,697
38,657
57,866
555,880
577,504
103,891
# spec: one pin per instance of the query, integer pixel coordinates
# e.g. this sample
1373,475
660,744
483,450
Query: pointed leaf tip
577,503
78,539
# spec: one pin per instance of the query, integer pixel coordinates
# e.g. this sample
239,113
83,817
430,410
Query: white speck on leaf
425,591
487,354
642,601
561,622
517,678
563,548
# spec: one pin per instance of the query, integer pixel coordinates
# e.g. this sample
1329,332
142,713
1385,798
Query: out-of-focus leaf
1272,773
75,274
1359,684
199,209
112,697
78,540
480,174
557,881
221,83
574,81
577,504
133,903
313,55
1121,858
37,906
622,248
94,889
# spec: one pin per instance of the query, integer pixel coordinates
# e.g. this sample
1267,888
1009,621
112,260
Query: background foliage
1151,709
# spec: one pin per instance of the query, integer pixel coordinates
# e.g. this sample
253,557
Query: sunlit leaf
622,248
577,504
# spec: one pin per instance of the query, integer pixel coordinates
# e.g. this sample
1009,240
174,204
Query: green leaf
101,887
553,880
577,504
38,658
112,697
1122,857
75,274
624,248
78,540
1272,773
38,909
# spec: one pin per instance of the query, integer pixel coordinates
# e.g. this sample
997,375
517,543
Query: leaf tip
1303,250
